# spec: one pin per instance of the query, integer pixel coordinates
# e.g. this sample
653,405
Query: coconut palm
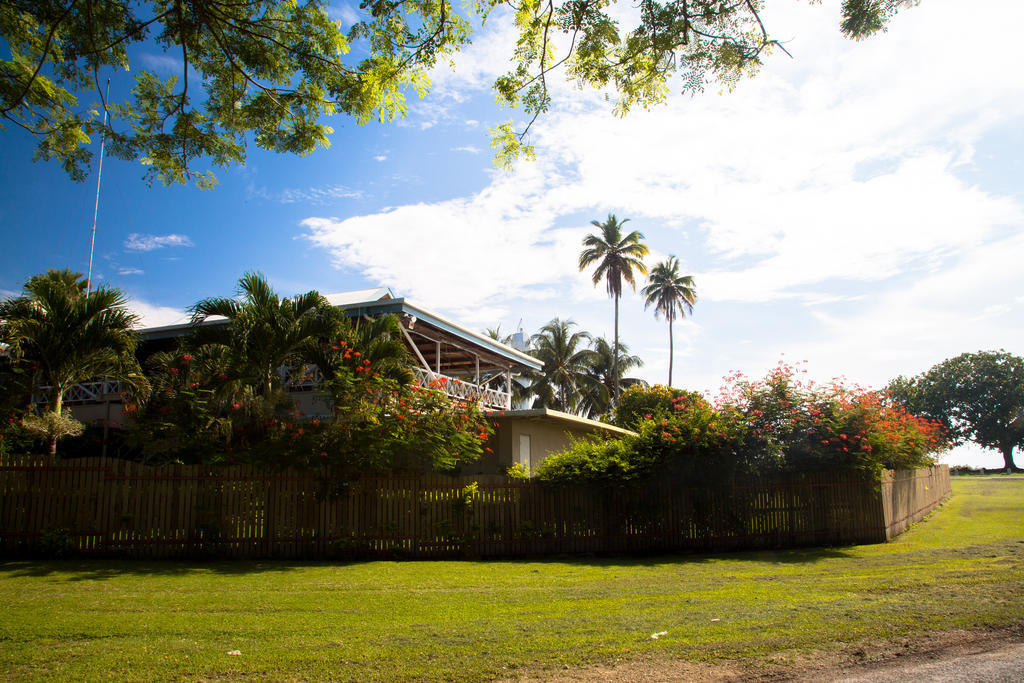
617,258
68,336
603,367
671,294
564,380
264,332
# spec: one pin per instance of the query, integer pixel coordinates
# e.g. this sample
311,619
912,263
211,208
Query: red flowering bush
792,424
188,415
376,421
639,403
779,423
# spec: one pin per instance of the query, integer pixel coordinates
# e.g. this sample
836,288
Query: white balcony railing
307,379
457,388
83,393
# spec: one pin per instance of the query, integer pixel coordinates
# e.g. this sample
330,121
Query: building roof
357,296
381,301
415,314
557,416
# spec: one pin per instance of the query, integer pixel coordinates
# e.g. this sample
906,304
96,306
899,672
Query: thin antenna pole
99,176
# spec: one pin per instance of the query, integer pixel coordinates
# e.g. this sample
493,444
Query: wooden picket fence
114,508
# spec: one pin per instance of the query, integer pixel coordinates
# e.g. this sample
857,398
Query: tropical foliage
603,367
564,381
61,335
672,295
616,258
780,423
263,332
222,395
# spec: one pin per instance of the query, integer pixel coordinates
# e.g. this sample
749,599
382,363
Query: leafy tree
672,294
263,331
268,67
565,379
616,258
65,335
597,400
274,68
978,396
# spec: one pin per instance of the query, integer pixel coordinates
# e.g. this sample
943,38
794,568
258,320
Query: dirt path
991,655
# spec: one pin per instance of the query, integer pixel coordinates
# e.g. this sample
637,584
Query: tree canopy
978,396
275,68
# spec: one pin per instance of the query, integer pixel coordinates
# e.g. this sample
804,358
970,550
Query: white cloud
124,270
380,157
470,149
498,241
318,195
139,242
153,315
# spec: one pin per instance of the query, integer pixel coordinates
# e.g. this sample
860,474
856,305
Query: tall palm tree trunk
51,439
671,355
615,353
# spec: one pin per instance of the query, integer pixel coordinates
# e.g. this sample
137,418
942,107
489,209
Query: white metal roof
358,296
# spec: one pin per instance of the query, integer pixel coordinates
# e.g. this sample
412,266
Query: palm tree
564,380
602,369
378,340
671,293
616,258
264,332
70,336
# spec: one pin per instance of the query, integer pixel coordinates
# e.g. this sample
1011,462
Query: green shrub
657,402
593,462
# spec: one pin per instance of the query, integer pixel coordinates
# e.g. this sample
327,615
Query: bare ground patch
867,659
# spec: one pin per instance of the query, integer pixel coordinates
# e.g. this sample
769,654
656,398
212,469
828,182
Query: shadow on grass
101,569
93,570
781,556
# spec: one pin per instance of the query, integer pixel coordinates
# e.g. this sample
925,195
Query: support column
508,383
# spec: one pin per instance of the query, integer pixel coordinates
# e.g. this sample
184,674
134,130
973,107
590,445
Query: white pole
99,175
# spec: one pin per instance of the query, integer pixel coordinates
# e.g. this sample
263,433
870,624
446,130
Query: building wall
528,440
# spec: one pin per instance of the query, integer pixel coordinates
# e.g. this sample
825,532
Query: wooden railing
457,388
306,379
106,507
83,393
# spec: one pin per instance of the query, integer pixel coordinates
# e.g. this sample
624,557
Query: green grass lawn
962,567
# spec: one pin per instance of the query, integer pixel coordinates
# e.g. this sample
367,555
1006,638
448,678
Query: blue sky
858,207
